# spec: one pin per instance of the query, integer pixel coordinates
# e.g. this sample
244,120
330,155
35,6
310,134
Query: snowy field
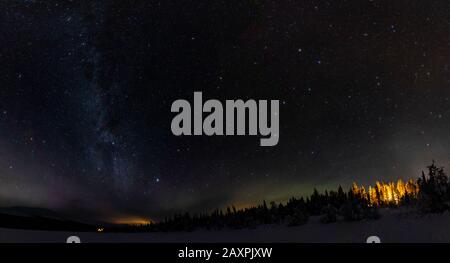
394,226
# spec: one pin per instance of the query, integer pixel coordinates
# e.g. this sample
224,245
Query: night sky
86,91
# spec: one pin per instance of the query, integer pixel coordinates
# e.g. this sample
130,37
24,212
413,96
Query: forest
430,193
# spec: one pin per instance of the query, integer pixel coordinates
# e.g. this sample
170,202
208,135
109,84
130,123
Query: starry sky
86,89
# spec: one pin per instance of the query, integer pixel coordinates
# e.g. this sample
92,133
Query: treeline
330,205
429,194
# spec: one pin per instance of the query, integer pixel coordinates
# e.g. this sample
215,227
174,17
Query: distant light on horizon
131,220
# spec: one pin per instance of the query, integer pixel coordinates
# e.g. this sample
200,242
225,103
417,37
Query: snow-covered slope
394,226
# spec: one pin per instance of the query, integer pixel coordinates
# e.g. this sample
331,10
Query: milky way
86,91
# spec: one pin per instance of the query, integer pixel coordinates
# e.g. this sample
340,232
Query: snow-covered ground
394,226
